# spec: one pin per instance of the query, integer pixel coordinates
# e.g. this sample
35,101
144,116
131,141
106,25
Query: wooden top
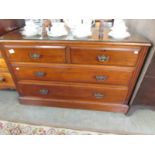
97,36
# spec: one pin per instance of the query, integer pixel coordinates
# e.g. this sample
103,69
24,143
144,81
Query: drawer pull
40,74
2,79
101,78
35,55
98,95
43,91
102,58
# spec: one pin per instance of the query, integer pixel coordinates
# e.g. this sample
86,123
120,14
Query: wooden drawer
106,94
2,63
41,54
6,80
104,56
75,73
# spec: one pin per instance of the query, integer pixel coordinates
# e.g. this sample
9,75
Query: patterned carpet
11,128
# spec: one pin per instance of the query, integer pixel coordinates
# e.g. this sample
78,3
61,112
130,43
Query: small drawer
104,56
106,94
72,73
6,80
2,63
41,54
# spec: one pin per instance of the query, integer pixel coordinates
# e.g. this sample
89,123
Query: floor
140,122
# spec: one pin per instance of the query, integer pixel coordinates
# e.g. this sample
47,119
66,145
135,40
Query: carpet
12,128
140,121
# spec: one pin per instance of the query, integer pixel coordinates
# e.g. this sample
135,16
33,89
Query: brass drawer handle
35,55
102,58
98,95
2,79
43,91
101,78
40,74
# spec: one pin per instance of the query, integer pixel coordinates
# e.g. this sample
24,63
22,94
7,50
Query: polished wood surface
6,80
73,104
41,54
74,73
70,75
7,25
2,63
111,56
74,91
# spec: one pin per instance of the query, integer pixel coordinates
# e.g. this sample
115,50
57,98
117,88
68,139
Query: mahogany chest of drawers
88,74
6,80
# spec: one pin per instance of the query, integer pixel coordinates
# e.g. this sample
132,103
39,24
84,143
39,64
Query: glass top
98,34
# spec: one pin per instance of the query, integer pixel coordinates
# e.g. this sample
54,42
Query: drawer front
67,73
6,80
2,63
104,94
105,56
47,54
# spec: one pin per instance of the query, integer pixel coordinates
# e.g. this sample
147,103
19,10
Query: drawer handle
35,55
2,79
40,74
43,91
102,58
101,78
98,95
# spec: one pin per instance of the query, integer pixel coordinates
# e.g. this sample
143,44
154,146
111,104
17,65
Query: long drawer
75,73
41,54
105,56
106,94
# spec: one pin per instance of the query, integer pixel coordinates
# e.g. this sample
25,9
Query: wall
145,27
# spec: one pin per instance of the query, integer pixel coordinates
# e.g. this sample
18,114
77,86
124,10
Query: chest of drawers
101,77
7,25
96,75
6,80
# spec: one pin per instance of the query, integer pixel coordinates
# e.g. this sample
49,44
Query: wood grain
74,104
2,63
74,73
110,94
116,56
7,81
48,54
